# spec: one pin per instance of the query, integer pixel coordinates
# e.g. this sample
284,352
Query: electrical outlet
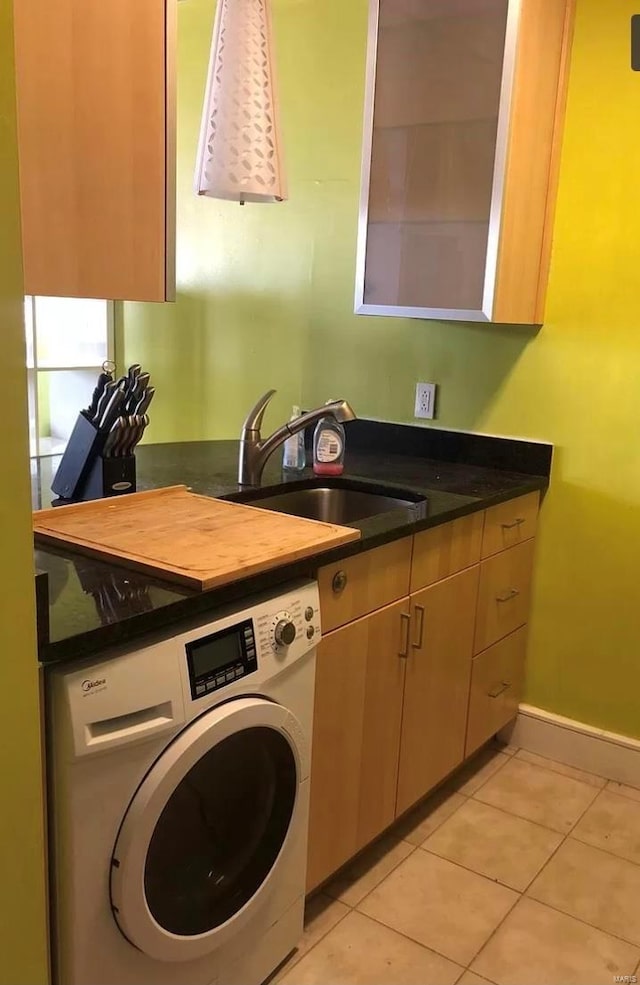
425,400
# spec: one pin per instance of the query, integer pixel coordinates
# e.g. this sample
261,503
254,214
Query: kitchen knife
112,440
112,409
146,399
133,373
103,401
103,379
135,394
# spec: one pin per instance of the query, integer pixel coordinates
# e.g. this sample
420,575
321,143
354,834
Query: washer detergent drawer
118,702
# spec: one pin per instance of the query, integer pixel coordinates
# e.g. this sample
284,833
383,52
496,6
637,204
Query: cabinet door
462,116
356,735
387,642
504,594
497,679
436,684
96,145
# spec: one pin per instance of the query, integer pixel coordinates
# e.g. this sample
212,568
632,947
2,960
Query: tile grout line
484,782
550,769
491,879
443,821
521,895
299,957
618,793
585,923
413,940
565,834
605,851
466,967
354,906
520,817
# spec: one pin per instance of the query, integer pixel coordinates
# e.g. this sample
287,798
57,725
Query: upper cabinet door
464,104
96,114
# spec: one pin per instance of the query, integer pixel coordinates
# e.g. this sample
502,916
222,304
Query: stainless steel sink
334,502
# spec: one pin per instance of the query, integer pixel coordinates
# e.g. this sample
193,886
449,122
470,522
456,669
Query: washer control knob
310,632
285,632
308,613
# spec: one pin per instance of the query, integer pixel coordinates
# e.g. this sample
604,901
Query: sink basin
333,500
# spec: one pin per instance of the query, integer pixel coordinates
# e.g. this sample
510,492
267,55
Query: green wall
266,299
23,946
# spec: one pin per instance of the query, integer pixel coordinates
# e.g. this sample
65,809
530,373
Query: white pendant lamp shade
239,156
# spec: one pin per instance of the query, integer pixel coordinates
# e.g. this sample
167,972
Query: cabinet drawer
511,523
497,678
503,595
357,585
444,550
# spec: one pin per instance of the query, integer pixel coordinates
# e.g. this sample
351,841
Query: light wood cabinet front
436,685
510,523
462,129
356,737
504,593
95,92
497,678
387,639
441,551
364,582
338,719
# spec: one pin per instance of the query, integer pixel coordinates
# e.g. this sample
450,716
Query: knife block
84,474
109,477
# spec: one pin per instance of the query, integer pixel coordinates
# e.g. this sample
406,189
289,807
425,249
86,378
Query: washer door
201,839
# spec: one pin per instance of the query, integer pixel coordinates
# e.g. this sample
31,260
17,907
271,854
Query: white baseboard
587,748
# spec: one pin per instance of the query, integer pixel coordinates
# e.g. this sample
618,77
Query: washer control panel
291,629
264,636
220,658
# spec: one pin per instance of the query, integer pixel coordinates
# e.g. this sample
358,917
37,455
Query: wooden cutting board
195,540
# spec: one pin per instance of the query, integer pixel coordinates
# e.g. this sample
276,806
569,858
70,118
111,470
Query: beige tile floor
521,871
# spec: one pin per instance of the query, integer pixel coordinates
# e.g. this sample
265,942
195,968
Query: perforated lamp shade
239,156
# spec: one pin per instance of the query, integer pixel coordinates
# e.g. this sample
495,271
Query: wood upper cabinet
437,679
96,137
463,124
356,736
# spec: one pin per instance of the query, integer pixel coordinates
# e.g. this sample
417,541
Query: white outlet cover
425,400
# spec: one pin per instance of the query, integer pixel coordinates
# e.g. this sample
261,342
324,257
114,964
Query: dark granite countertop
94,604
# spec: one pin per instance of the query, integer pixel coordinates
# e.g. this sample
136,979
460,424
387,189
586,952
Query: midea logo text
88,686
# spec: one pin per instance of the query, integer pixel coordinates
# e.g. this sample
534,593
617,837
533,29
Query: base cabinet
356,735
406,691
437,680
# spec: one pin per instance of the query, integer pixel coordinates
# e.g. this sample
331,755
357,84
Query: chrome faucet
254,452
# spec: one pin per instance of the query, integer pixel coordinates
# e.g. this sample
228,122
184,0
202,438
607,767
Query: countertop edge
132,628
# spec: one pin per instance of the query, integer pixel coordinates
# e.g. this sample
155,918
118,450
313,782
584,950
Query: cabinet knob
511,593
405,623
516,523
339,582
499,689
417,643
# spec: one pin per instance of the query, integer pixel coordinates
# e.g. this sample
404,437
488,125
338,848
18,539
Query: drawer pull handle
417,643
405,623
339,582
516,523
500,689
508,595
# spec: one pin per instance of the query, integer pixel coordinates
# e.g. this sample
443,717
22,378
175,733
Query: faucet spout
254,451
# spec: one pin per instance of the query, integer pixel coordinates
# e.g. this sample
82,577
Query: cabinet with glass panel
463,119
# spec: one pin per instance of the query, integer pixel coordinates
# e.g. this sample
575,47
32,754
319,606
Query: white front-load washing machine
179,799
